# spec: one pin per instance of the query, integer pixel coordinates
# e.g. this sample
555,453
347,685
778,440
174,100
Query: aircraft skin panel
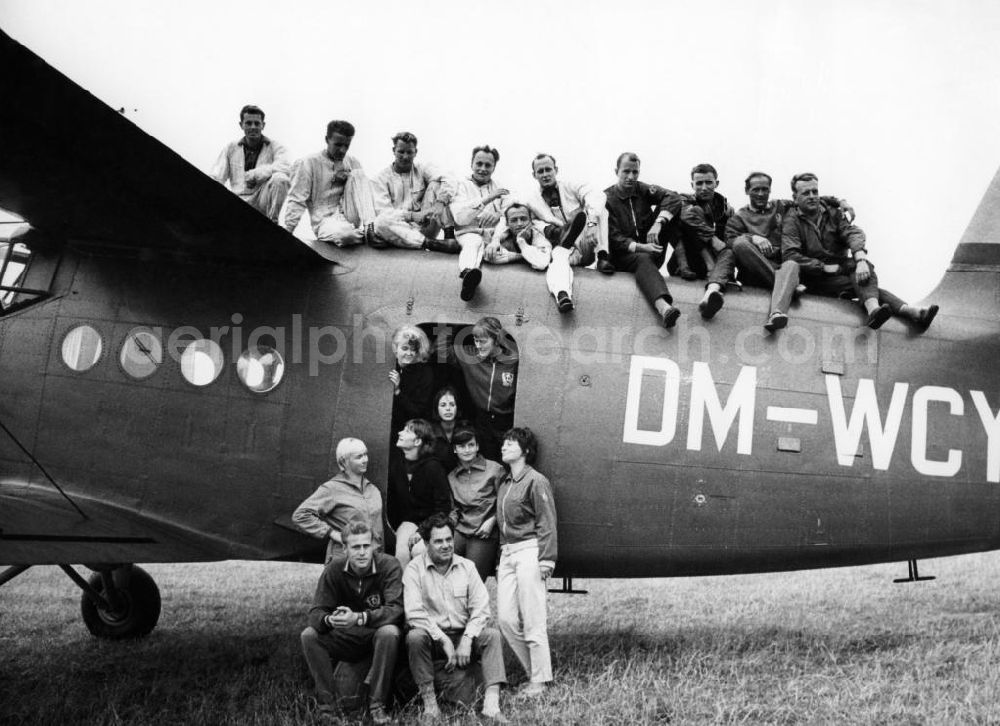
220,460
231,465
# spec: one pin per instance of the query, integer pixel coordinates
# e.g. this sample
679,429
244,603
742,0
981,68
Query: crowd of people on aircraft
463,503
806,244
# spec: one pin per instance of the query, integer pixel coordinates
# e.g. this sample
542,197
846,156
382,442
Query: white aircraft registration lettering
848,425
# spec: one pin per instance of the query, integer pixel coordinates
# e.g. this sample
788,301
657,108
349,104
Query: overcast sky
895,105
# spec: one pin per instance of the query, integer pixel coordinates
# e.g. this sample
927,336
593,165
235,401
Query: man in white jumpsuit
335,190
411,200
256,167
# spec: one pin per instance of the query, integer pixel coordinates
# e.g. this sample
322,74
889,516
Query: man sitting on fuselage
256,167
411,200
832,258
701,251
335,190
476,210
520,237
638,217
754,233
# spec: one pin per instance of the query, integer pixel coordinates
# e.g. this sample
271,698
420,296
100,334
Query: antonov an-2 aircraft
175,371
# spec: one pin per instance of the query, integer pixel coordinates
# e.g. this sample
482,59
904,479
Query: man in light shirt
256,167
447,610
335,190
476,209
411,201
564,209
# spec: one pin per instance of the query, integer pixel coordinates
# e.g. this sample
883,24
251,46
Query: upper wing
78,170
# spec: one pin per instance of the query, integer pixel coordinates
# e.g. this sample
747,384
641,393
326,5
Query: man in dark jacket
638,215
703,251
357,612
833,260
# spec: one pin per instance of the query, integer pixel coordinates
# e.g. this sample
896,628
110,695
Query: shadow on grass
699,641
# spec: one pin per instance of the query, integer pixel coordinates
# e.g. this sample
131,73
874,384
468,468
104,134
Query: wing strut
914,575
42,469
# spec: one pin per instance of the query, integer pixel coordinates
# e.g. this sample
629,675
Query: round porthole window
260,369
201,362
142,353
82,348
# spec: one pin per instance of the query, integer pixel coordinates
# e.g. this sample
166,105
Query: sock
491,700
428,696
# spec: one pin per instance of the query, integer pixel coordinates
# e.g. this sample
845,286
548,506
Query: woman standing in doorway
490,371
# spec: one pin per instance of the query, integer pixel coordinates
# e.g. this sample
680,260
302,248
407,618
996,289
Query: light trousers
471,254
268,198
521,609
758,270
559,275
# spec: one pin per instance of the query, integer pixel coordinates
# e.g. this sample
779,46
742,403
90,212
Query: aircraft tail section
79,171
971,286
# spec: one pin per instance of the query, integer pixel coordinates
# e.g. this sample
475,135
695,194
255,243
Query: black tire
140,611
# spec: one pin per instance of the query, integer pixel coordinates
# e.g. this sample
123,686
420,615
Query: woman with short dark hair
474,482
526,514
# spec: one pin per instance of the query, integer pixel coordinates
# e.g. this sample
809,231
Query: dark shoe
448,246
878,316
572,230
711,304
669,317
777,321
685,273
563,302
925,317
604,264
470,281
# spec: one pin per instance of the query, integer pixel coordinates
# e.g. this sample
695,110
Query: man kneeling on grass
448,611
357,612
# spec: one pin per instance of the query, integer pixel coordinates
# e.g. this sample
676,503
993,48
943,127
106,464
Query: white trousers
390,226
559,275
268,198
338,230
471,255
521,609
403,551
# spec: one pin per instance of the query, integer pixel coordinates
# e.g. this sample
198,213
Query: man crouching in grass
357,612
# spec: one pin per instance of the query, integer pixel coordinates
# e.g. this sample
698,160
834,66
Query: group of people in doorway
463,503
806,244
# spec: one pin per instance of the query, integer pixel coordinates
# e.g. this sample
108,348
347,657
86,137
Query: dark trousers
836,285
758,270
490,428
351,644
487,651
646,269
482,552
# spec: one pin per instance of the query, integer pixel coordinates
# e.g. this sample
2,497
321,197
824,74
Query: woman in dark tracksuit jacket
417,490
490,372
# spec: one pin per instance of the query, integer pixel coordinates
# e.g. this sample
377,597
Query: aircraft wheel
138,605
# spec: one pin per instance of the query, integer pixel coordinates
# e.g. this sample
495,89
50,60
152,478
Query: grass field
822,647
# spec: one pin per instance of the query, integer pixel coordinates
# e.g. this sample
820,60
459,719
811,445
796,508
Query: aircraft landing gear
118,603
914,574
